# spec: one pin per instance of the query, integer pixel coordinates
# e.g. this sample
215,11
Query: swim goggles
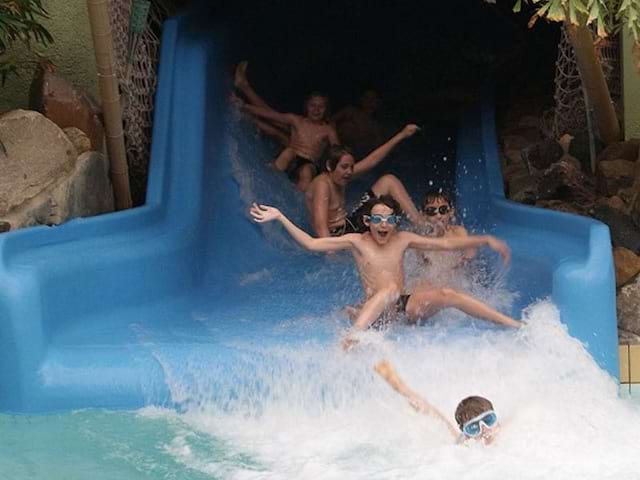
472,427
442,210
376,219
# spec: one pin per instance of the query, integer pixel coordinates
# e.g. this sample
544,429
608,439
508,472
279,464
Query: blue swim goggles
472,427
376,219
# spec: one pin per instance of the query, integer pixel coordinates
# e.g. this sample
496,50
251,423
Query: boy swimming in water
379,255
325,197
474,415
309,134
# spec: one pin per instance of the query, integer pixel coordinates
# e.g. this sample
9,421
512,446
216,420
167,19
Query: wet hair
318,94
433,195
334,154
386,200
471,407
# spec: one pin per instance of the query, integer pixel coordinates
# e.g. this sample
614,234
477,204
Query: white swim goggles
472,428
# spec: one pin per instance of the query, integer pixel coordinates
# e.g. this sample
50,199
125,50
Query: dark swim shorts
354,222
293,170
401,304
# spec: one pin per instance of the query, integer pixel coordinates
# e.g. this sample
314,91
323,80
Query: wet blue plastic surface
105,311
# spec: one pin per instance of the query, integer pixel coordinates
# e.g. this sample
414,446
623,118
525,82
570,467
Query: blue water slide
119,310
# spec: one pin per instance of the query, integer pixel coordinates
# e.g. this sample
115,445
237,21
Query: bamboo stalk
110,96
594,82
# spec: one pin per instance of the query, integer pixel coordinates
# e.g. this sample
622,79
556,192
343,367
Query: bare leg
271,131
283,160
371,311
305,176
242,83
427,302
391,185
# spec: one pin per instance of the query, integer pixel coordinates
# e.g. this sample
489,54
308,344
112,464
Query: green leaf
556,11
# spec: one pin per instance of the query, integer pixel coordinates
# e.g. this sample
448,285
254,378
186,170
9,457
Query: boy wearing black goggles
439,214
474,415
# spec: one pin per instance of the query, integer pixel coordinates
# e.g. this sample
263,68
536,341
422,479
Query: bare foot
240,75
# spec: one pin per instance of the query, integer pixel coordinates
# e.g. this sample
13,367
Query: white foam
311,411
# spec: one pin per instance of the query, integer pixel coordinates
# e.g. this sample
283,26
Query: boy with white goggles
474,415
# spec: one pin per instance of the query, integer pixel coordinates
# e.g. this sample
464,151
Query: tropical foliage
20,23
605,15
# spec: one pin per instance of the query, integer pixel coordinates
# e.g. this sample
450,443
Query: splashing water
311,411
287,403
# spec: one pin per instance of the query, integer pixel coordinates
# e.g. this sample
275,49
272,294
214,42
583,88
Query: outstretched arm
264,213
448,243
386,371
379,154
270,114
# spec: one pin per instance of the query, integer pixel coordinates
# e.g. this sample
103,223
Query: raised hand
264,213
240,75
501,247
410,129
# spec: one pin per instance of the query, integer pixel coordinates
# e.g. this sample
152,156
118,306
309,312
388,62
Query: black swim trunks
293,170
347,227
401,304
354,223
388,317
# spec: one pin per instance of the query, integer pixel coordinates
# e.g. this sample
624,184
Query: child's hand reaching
410,129
264,213
501,247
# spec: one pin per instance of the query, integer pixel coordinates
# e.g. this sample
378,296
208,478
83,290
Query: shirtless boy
309,134
325,197
379,255
439,214
474,415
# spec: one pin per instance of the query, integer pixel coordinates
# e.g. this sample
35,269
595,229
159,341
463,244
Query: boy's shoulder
458,231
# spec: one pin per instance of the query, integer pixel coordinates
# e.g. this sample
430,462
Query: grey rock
38,153
543,154
624,232
628,305
521,187
79,139
564,181
86,191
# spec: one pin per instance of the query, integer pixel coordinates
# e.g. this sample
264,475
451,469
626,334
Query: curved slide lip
581,260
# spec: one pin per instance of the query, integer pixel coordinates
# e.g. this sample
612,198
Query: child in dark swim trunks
309,135
474,415
379,256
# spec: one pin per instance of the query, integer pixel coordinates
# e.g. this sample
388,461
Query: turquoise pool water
313,413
